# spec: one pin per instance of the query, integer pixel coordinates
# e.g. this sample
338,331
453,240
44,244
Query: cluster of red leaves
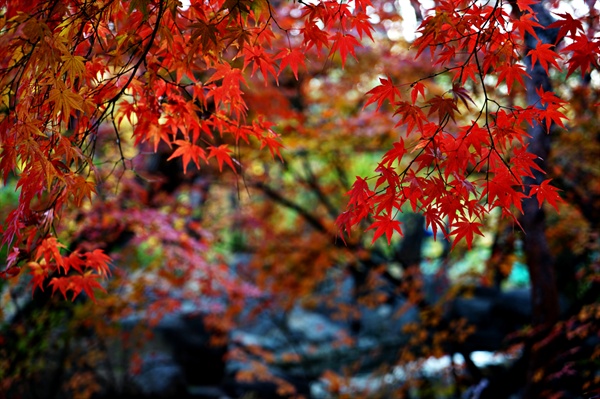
175,74
456,168
73,273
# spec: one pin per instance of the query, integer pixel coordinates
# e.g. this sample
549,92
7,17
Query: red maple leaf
525,5
546,192
189,152
434,220
411,115
467,230
552,114
585,54
568,26
222,154
385,224
461,93
545,55
98,261
525,24
362,25
394,154
315,36
345,43
445,107
510,73
38,272
292,58
360,193
385,91
418,88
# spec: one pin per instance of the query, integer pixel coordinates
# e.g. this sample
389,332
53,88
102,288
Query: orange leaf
292,58
189,152
222,154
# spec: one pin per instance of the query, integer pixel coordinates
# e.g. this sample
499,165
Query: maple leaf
551,111
447,55
552,114
231,76
189,153
259,59
385,91
86,283
315,36
466,72
546,192
524,162
411,115
525,24
385,224
65,100
360,193
388,201
344,223
345,43
273,143
363,4
49,250
544,55
222,154
74,261
525,5
500,191
82,189
386,175
568,26
510,73
462,94
292,58
585,54
206,32
395,154
152,132
63,284
98,261
38,274
361,22
13,256
434,220
445,107
548,97
141,6
418,88
467,230
73,66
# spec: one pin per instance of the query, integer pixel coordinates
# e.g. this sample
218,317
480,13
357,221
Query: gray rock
159,376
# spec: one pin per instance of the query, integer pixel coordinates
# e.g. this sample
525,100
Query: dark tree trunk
540,262
539,259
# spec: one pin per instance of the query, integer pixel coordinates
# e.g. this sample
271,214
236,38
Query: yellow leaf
65,100
73,66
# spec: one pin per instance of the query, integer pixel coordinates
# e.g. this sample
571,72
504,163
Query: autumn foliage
171,73
89,91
